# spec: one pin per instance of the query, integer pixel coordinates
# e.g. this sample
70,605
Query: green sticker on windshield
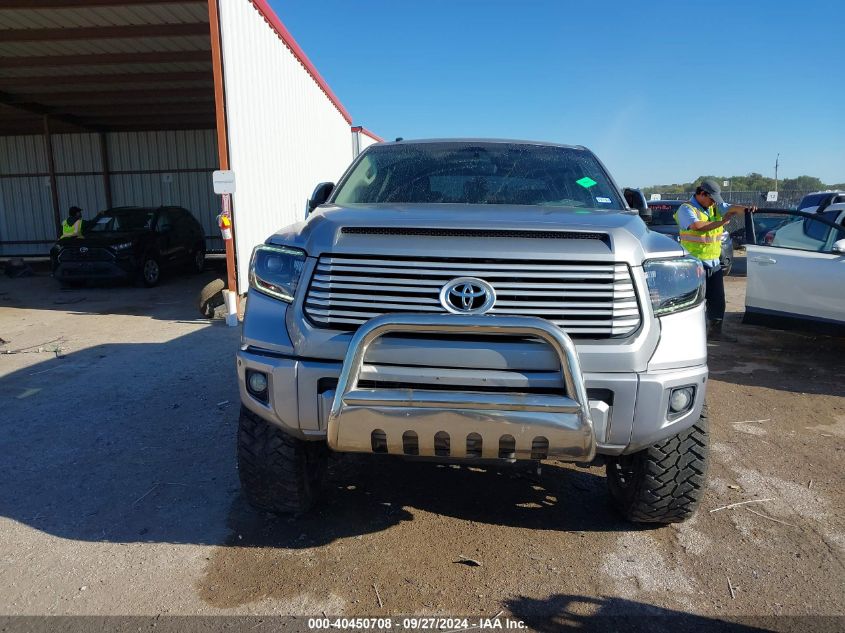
586,182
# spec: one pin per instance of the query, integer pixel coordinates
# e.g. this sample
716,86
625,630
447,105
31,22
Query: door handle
764,261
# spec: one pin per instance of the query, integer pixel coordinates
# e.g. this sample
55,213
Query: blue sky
662,91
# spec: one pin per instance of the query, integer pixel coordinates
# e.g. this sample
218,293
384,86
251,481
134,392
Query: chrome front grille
594,300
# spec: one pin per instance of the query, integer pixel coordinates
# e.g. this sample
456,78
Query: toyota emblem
467,295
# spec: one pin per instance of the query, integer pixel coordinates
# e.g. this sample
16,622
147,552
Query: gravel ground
120,495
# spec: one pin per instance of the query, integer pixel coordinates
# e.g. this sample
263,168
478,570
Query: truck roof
481,140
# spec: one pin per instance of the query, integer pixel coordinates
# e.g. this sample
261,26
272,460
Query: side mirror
320,195
636,200
838,247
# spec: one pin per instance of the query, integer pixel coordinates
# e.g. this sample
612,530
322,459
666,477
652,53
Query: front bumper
517,414
118,269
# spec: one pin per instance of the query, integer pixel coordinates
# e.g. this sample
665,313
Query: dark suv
663,221
134,243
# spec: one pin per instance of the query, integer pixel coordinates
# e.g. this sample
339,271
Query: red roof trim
276,24
372,135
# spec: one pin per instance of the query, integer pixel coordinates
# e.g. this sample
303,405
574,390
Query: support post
51,167
104,158
222,135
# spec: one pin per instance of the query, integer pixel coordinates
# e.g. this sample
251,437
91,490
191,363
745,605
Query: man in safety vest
701,221
72,226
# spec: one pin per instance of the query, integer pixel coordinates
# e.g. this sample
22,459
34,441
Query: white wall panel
26,206
183,149
285,135
86,192
77,153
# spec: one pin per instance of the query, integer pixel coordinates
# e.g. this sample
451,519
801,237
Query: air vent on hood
541,235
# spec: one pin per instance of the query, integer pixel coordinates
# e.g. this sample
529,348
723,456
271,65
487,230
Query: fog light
256,382
680,400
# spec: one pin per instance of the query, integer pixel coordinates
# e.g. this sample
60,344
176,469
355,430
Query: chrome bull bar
526,425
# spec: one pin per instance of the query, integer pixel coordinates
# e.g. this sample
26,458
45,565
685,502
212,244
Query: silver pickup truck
475,301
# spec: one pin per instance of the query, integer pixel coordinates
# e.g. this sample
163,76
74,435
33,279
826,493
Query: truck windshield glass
478,173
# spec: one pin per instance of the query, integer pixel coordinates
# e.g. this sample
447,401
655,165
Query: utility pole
777,160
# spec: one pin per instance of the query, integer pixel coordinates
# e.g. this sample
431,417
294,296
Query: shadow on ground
40,291
790,360
371,493
591,613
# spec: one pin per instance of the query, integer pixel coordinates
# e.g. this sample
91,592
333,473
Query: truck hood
500,231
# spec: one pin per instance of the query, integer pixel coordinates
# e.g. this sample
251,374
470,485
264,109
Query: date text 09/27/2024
417,624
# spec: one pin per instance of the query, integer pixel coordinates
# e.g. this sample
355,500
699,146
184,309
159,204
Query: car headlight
122,246
275,270
674,284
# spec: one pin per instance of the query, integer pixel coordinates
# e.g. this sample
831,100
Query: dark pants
715,293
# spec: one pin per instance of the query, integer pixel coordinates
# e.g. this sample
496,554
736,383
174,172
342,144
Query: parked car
663,221
818,200
799,272
132,243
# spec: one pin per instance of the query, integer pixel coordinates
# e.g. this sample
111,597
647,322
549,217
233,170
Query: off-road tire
210,297
279,473
663,483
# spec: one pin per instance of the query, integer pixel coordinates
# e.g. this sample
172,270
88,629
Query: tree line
751,182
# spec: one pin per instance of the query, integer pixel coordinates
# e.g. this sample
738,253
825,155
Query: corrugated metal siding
85,16
285,135
26,209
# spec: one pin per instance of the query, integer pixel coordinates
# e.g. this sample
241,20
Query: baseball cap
711,186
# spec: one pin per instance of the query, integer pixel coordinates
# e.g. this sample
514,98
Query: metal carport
112,102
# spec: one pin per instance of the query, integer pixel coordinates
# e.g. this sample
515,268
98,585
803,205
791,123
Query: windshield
478,173
122,220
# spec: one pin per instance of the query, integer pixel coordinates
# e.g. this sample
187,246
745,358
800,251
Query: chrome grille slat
475,272
412,285
333,262
587,300
327,297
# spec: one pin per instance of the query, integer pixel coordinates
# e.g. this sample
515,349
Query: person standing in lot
72,226
702,220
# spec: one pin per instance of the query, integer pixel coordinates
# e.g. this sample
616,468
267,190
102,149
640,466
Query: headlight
122,246
674,284
275,270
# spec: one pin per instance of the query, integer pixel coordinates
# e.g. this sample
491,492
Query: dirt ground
120,493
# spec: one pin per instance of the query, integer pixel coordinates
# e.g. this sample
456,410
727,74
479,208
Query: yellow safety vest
702,244
68,230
